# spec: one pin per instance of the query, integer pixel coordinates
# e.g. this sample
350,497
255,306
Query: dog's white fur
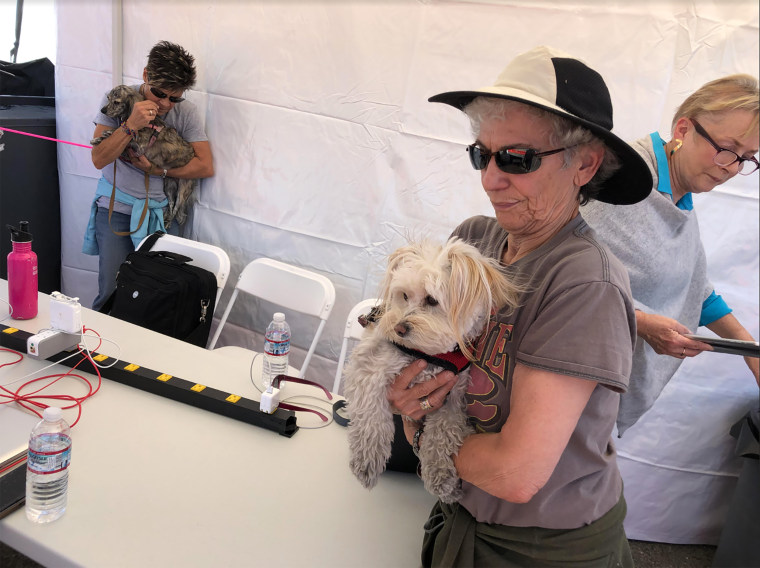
435,298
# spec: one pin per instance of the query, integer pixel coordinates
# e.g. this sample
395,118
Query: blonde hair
733,92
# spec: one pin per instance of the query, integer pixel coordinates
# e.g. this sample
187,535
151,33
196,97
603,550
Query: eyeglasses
725,157
162,95
509,160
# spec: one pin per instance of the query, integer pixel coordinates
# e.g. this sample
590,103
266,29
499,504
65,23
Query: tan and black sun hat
562,84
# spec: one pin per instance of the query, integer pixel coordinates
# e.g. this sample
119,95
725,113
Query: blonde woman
714,137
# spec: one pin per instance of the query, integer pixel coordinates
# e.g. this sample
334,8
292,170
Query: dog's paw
451,494
364,472
442,481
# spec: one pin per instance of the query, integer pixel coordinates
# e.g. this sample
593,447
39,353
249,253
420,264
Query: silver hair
563,133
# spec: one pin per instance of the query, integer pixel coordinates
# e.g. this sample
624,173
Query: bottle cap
279,316
22,234
52,414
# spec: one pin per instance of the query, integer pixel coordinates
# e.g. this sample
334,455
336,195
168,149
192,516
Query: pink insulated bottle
22,273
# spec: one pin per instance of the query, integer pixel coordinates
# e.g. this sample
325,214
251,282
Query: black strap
150,241
448,365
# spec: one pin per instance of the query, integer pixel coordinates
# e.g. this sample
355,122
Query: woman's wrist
127,130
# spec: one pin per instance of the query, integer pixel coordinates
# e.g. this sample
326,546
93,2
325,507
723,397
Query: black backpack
158,290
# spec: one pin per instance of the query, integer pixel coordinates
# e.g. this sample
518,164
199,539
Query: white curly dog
435,300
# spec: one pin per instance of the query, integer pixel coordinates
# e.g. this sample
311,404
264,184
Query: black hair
170,67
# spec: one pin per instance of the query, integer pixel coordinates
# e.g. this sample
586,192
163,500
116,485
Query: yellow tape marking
100,357
131,367
10,330
232,398
198,388
164,377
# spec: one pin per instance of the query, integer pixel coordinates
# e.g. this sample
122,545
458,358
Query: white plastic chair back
353,330
288,286
204,255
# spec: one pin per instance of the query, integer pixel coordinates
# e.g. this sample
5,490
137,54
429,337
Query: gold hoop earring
680,143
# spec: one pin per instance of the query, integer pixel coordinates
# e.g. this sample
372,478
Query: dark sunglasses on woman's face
162,95
509,160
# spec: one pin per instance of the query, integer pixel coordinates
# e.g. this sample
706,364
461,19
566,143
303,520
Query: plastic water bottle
47,467
276,349
22,273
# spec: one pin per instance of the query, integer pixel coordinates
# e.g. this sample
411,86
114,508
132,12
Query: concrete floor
645,555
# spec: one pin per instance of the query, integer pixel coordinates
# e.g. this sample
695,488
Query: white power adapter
269,401
49,342
65,313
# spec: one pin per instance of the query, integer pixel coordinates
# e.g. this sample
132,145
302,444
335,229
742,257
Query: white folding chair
210,257
353,330
288,286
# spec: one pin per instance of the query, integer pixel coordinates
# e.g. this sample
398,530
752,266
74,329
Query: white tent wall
328,156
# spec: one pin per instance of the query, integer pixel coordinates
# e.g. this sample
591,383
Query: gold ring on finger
425,404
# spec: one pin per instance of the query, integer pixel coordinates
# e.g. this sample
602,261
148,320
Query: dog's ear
397,259
121,100
476,285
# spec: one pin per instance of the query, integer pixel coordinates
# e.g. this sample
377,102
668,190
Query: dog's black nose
401,329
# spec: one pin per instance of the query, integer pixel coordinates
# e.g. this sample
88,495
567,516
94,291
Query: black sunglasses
725,157
509,160
162,95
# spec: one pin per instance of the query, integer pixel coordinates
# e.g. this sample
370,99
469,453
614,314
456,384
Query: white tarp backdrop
328,156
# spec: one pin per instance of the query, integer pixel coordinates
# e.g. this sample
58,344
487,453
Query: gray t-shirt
184,117
576,319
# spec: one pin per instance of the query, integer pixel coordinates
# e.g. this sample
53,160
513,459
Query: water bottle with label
47,467
276,349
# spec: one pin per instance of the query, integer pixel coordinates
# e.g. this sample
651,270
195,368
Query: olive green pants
454,538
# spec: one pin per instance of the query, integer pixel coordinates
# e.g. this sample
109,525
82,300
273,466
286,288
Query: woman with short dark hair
115,228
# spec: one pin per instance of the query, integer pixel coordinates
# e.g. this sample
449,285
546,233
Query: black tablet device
733,346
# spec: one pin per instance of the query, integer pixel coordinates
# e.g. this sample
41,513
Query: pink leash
44,137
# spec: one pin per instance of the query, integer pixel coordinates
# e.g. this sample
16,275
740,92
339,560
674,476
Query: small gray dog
161,145
435,300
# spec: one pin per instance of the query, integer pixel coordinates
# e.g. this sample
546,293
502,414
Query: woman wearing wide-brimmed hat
540,480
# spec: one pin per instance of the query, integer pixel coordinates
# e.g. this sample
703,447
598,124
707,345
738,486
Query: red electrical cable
31,399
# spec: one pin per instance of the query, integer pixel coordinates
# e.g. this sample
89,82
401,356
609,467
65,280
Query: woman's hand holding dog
143,113
411,401
142,163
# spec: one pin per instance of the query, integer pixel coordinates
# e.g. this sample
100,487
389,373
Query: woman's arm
664,335
729,327
200,166
516,462
110,148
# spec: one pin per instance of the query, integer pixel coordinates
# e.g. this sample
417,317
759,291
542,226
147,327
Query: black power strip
207,398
